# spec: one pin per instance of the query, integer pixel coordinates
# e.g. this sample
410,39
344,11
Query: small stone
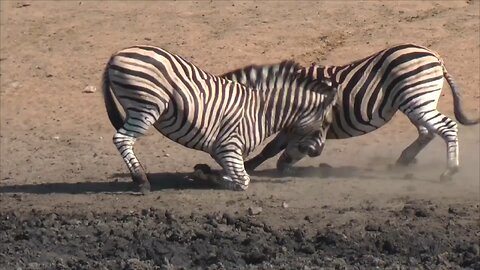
475,249
308,218
166,155
15,84
169,215
56,137
254,210
222,227
372,228
339,263
90,89
284,205
421,213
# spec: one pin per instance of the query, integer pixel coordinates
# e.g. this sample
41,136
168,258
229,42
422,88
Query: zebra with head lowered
208,113
406,77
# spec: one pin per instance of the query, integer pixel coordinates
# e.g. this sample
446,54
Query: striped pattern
208,113
408,78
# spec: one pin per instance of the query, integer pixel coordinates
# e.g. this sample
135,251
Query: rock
145,212
56,137
421,212
170,216
229,219
339,263
90,89
254,210
475,249
373,228
373,261
308,218
284,205
223,228
15,85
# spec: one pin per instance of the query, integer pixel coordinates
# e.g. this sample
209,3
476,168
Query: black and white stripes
209,113
406,77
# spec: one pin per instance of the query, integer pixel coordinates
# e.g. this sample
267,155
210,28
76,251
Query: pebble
15,84
284,205
372,228
254,210
90,89
475,249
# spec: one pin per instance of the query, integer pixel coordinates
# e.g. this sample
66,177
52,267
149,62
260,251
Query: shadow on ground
165,180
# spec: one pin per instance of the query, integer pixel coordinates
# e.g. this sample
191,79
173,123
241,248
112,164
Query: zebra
205,112
404,77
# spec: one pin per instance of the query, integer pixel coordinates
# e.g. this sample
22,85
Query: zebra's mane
254,76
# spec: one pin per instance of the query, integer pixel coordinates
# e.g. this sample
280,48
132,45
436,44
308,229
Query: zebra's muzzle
313,150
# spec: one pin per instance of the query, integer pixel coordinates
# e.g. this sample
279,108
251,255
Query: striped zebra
405,77
208,113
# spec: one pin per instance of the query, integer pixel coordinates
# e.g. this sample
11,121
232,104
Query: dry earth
64,199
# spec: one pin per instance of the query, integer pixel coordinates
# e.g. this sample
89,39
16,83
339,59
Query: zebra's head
309,135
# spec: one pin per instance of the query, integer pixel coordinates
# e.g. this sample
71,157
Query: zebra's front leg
271,149
296,150
234,176
292,154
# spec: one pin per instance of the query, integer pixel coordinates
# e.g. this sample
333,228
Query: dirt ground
64,199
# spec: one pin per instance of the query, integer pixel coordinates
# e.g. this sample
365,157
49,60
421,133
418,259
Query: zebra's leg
234,176
271,149
135,126
295,152
446,128
299,147
408,155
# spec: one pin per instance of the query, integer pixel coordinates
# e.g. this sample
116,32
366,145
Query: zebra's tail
457,106
114,114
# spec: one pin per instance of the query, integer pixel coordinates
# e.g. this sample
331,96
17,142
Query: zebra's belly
189,134
341,128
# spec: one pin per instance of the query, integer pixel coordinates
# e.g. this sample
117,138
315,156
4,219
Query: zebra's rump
406,77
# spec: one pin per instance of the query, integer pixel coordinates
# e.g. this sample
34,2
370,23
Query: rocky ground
420,235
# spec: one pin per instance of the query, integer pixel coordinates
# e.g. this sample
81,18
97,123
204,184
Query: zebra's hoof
203,168
403,162
446,177
144,188
235,186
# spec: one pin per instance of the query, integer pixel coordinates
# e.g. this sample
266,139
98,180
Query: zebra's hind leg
408,155
446,128
124,139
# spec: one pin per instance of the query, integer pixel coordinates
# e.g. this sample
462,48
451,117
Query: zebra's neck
265,77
